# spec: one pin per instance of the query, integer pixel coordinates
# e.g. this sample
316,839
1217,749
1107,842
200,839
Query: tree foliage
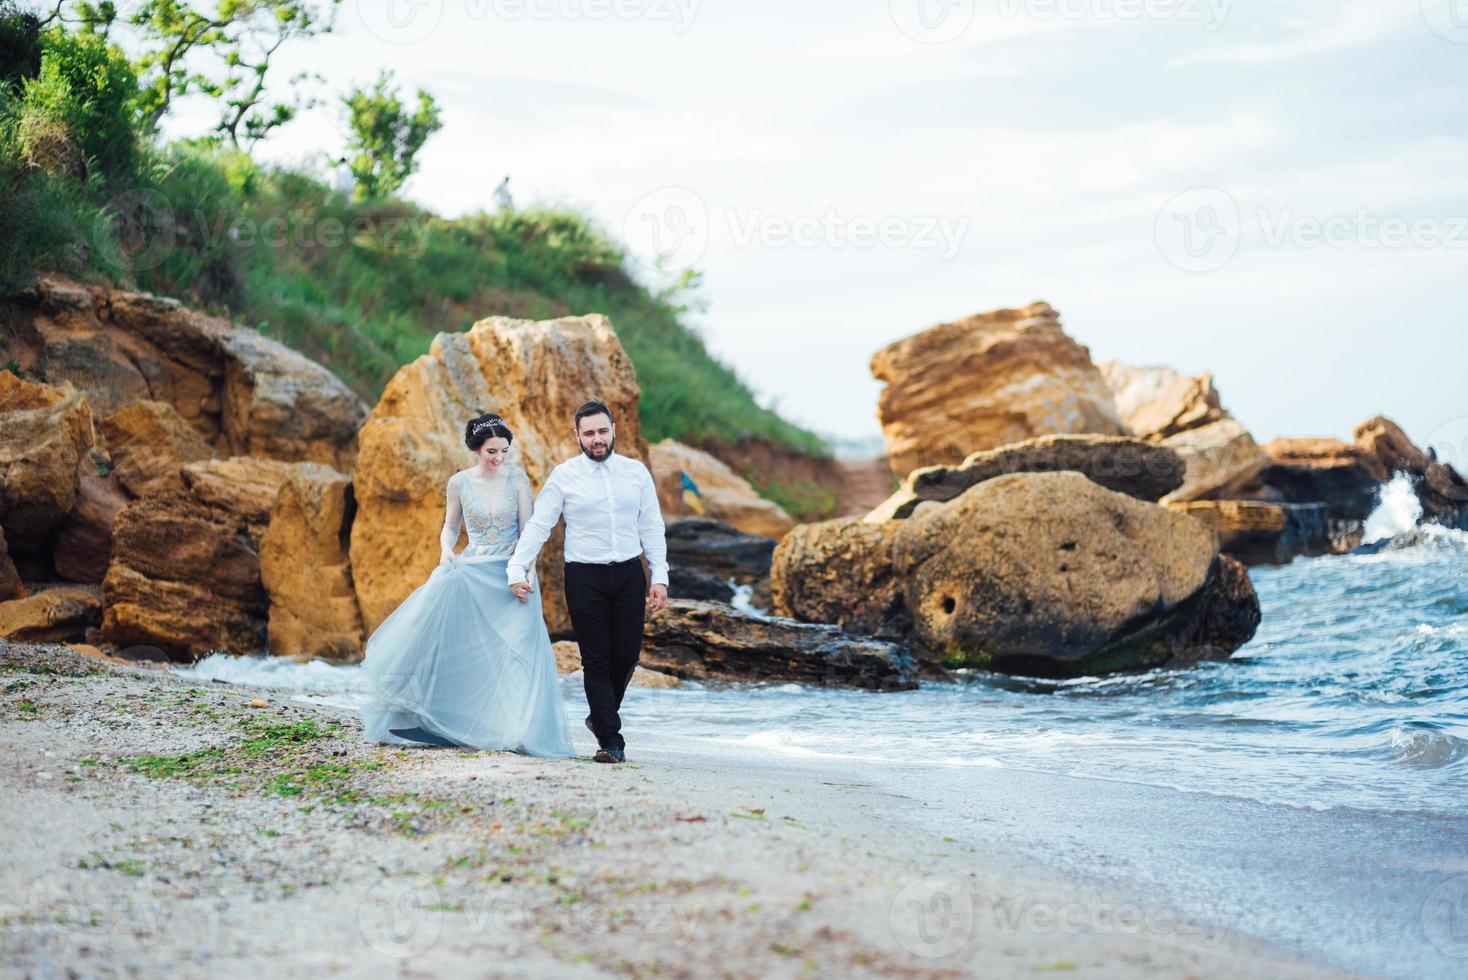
385,136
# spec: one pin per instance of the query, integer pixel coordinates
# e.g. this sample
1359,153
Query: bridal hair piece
486,426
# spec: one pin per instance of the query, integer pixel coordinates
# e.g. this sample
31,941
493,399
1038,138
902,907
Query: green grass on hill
362,288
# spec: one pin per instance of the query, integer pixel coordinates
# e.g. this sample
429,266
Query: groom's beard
611,445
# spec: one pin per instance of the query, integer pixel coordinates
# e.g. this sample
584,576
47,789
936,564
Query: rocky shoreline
162,827
177,485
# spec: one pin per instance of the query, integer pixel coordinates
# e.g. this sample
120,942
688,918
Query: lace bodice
493,526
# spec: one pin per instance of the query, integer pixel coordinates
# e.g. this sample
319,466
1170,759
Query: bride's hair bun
486,426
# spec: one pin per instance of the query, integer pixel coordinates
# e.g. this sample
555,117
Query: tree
183,43
385,139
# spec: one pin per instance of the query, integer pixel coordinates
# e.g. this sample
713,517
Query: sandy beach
163,828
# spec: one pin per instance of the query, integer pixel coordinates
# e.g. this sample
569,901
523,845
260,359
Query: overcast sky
1273,191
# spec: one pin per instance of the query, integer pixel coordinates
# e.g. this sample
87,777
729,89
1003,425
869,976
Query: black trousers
606,603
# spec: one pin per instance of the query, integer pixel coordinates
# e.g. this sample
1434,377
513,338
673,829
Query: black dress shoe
421,735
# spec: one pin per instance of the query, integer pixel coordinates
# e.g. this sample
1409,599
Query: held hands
657,598
522,590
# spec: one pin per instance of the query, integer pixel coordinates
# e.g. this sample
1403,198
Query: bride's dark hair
487,426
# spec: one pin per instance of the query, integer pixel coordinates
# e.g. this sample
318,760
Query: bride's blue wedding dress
461,660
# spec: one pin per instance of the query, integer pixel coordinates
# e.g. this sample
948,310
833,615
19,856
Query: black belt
634,560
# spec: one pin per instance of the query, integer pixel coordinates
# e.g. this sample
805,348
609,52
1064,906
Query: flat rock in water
713,641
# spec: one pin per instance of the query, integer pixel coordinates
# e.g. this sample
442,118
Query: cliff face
243,393
986,381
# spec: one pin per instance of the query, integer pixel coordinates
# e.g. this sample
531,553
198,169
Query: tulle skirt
464,659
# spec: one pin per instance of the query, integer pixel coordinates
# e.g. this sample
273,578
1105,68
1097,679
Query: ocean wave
1426,748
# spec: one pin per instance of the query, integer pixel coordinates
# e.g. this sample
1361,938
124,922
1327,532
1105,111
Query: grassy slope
364,288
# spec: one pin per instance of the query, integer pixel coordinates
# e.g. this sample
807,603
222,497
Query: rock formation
1050,574
184,578
1347,476
841,572
52,615
1157,402
535,374
986,381
712,641
244,393
725,495
148,443
1221,458
304,567
1132,466
45,435
1261,532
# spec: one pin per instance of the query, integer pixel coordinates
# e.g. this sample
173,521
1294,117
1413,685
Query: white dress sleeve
453,517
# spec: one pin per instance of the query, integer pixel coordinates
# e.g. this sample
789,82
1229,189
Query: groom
611,508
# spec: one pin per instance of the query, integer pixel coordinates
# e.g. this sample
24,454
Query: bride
461,661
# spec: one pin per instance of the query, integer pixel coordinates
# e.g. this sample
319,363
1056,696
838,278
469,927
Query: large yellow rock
841,572
149,442
242,486
44,432
535,374
1050,574
304,567
244,393
986,381
726,496
184,578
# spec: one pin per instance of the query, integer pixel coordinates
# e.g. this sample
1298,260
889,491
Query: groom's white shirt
611,511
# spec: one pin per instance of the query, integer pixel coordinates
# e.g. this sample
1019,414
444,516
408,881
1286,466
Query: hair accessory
488,421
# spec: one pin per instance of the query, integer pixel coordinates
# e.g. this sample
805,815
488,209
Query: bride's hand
448,558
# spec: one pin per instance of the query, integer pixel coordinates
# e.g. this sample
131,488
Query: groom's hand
657,598
522,590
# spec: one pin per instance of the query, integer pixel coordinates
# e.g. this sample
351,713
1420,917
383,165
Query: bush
78,115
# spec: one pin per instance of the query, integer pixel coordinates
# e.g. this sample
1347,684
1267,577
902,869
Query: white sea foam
277,674
1397,510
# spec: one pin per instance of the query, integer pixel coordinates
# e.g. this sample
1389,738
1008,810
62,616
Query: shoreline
158,823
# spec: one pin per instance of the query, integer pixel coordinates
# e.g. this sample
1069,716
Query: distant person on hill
502,197
342,180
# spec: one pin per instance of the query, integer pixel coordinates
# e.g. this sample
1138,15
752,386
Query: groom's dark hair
594,407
